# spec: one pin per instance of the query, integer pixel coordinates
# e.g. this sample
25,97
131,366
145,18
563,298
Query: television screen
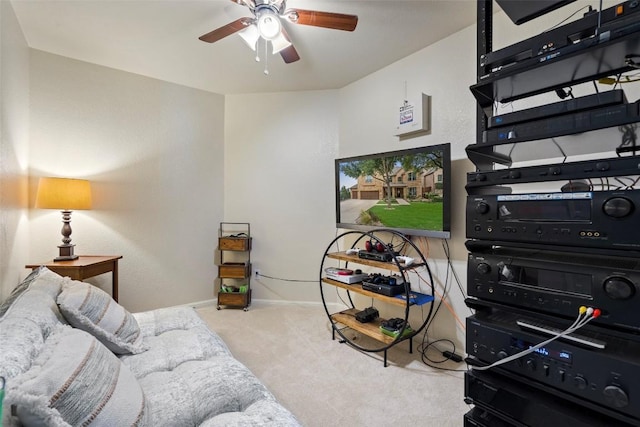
408,191
521,11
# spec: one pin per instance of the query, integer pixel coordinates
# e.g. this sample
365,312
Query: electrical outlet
257,272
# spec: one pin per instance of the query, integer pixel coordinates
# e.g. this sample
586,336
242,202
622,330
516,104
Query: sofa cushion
76,380
19,290
174,347
41,279
91,309
263,413
199,391
21,341
29,316
190,366
161,320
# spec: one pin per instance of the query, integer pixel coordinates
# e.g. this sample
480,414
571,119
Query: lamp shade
63,193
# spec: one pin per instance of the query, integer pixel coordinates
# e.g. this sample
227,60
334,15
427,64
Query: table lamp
67,195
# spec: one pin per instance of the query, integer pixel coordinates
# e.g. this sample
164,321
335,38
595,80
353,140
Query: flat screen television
521,11
408,191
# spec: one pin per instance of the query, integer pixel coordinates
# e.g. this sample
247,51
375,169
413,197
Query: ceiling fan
266,24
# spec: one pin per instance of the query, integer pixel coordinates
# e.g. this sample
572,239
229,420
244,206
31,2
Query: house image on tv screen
397,190
426,184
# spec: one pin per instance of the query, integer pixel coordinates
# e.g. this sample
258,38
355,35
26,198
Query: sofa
70,355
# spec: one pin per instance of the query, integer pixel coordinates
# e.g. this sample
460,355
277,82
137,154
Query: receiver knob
617,207
580,382
619,288
555,170
482,208
602,166
615,396
514,174
483,268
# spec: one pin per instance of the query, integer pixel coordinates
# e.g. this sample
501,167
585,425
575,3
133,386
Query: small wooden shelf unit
348,317
234,238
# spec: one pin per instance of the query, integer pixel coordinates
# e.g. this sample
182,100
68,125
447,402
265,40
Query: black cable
286,280
422,348
629,137
560,149
447,252
568,17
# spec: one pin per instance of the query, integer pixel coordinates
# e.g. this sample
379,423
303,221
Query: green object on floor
243,289
1,397
394,334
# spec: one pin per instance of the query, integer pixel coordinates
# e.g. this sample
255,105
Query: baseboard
200,304
213,302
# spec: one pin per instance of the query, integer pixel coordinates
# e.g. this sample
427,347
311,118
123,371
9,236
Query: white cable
577,324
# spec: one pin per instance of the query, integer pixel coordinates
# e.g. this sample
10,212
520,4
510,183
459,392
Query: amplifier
387,289
581,121
603,219
600,168
558,38
501,399
587,102
478,417
558,283
375,256
605,375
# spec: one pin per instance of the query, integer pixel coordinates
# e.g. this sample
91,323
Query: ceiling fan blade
227,30
336,21
289,54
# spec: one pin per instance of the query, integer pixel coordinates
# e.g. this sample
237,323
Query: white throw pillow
75,380
91,309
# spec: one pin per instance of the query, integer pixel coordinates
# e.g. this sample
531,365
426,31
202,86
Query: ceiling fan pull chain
266,57
257,49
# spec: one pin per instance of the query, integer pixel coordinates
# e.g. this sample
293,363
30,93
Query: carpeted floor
325,383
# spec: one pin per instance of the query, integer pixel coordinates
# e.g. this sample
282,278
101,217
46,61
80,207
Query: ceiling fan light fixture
279,43
269,26
250,35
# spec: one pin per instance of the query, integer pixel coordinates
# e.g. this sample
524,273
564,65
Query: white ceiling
159,38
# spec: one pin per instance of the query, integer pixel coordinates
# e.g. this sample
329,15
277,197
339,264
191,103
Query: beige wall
154,154
279,151
14,134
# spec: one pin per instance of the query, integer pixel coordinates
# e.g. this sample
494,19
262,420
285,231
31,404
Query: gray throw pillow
76,381
91,309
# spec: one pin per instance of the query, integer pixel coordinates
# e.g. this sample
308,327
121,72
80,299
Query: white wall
154,154
279,152
14,143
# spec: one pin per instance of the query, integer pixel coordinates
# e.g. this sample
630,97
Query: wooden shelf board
342,256
370,329
357,288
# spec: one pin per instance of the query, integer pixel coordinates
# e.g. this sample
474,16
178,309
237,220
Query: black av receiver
558,283
594,367
602,219
501,399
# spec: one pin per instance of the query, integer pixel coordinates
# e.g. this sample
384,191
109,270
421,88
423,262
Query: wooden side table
86,266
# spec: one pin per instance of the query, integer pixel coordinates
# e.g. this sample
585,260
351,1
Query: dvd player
602,99
581,121
376,256
384,288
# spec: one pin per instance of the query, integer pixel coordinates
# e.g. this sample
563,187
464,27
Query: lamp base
66,253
